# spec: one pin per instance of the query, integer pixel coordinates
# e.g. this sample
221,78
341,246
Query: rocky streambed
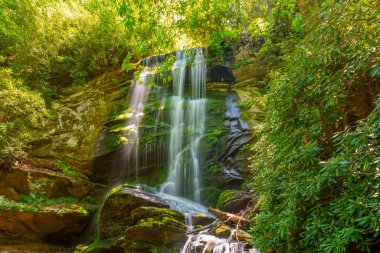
138,219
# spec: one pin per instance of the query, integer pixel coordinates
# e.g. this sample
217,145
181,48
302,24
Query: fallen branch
229,216
237,226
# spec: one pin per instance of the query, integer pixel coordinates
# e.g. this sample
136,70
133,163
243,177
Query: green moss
42,200
157,222
7,204
95,245
38,202
66,169
225,196
223,231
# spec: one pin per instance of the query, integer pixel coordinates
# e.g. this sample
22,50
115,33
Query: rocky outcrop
135,221
26,180
70,134
60,224
231,201
239,135
117,211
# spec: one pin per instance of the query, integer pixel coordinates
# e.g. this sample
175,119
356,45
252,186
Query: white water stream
188,117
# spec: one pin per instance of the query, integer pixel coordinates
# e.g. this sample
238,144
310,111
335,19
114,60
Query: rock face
239,135
71,133
118,207
25,181
50,225
133,217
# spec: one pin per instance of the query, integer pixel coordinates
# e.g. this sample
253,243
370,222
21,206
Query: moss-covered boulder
201,219
121,245
139,222
28,180
117,209
61,224
223,231
233,201
159,231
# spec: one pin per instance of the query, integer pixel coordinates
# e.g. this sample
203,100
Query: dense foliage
316,163
45,46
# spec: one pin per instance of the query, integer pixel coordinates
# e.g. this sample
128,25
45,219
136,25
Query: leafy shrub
315,168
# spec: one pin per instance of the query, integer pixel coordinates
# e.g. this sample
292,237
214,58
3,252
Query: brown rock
46,225
158,233
116,212
29,180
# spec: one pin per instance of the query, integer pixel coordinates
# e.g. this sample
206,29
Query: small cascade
187,127
138,95
209,243
177,124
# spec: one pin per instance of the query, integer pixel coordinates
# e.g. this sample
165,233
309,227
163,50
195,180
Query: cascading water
138,95
187,128
181,189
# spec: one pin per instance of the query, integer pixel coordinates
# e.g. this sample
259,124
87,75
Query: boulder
25,180
232,201
223,232
34,248
132,215
59,225
158,231
201,219
117,209
146,212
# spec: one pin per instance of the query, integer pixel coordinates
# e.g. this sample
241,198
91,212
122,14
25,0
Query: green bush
316,168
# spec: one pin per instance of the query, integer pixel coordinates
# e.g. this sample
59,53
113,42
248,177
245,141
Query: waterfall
138,95
187,127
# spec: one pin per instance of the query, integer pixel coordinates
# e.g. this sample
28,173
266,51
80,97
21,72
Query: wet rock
223,231
55,226
233,174
117,209
202,220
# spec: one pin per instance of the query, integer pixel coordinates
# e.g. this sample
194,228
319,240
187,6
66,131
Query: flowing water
181,189
187,127
208,243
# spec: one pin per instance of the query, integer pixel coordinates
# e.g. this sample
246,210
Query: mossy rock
119,245
224,197
160,213
165,232
223,231
118,207
243,236
202,220
210,195
233,201
59,225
